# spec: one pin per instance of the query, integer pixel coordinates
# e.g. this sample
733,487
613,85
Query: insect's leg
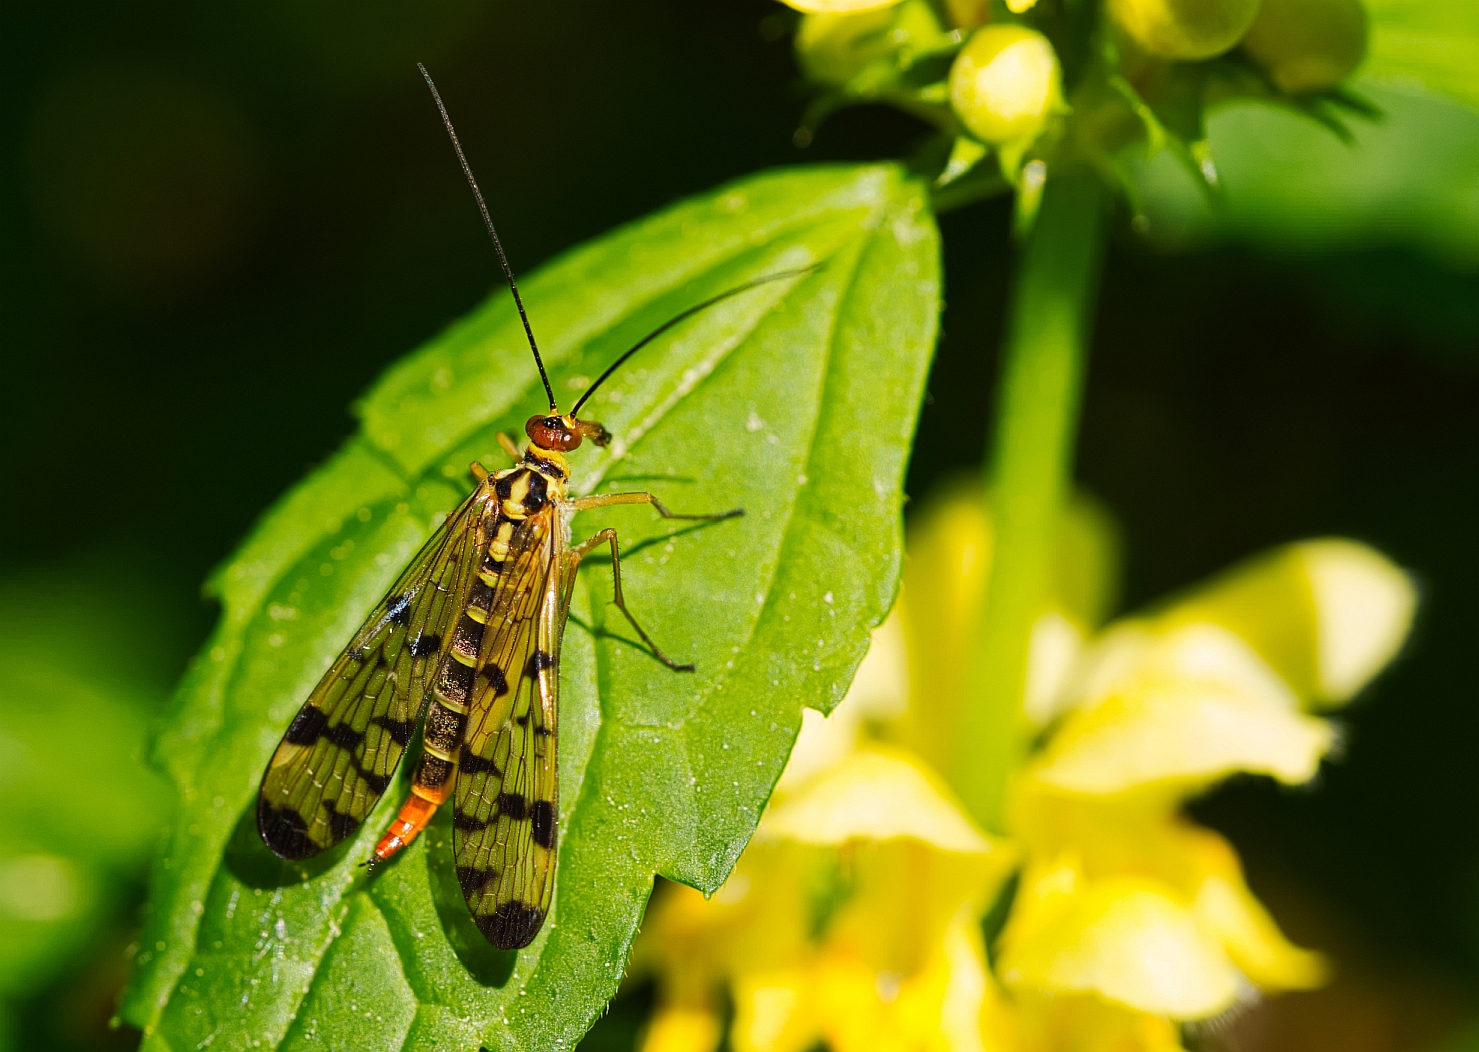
509,447
605,500
478,471
608,536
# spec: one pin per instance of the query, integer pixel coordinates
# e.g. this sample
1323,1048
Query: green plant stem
1030,456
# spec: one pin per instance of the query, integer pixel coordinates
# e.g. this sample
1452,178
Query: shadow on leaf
484,962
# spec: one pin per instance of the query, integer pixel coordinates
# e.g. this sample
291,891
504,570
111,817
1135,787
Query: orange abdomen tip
408,824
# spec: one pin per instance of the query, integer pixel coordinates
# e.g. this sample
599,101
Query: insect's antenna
779,275
497,245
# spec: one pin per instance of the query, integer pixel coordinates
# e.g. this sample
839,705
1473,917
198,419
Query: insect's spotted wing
505,800
342,748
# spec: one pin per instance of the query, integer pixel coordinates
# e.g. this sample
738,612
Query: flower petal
875,794
1253,940
1183,710
1364,606
1101,838
1055,644
772,1012
880,690
1328,615
937,1009
1085,1023
682,1030
1128,940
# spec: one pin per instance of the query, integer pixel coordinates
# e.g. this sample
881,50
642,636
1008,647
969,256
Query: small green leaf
795,401
965,154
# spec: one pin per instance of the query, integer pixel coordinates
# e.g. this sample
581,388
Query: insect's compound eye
551,432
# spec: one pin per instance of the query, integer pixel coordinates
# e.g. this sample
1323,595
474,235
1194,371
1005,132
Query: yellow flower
1327,615
1174,710
1140,908
1122,901
1123,898
851,918
854,916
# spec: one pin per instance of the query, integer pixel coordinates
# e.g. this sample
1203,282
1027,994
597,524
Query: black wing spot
467,823
538,662
375,783
512,926
473,880
399,730
284,832
345,736
306,726
497,681
341,825
425,645
513,806
542,821
398,610
471,763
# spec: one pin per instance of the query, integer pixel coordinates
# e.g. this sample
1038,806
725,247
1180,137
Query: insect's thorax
542,479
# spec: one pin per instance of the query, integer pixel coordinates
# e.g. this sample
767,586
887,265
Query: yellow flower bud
1308,45
833,48
1005,82
968,14
1184,29
838,7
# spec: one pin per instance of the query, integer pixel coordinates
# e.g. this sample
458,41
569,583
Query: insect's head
563,433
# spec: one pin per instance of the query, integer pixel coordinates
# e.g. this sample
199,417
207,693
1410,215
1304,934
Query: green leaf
795,401
1433,43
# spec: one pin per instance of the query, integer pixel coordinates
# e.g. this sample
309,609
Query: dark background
221,224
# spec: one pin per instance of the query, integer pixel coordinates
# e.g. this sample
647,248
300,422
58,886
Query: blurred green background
220,223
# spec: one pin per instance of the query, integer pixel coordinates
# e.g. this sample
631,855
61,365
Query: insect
470,636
